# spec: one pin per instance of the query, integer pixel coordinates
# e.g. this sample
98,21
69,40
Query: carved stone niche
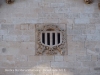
9,1
88,1
50,39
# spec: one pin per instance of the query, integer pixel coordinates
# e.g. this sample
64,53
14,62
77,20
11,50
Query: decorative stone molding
88,1
50,39
9,1
91,1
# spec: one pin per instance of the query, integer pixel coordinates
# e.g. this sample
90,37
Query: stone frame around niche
41,49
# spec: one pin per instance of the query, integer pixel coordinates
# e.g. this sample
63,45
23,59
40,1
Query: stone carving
9,1
88,1
46,49
99,5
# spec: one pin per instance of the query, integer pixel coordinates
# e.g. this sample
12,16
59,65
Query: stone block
82,21
32,27
15,32
69,26
90,44
90,27
92,52
74,32
95,15
20,58
46,15
85,15
48,10
44,4
59,58
32,38
32,64
27,48
79,26
72,64
6,58
83,71
9,38
94,57
72,15
17,26
2,20
79,38
7,64
65,21
76,48
34,58
97,26
3,32
93,38
89,64
61,10
44,65
23,38
94,21
70,58
90,48
28,32
9,51
49,20
7,26
2,71
47,58
83,58
24,27
98,64
55,5
21,64
58,64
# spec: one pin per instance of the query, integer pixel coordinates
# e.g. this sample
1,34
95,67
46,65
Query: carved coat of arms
50,39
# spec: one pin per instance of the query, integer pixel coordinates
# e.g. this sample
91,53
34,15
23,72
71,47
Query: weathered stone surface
82,21
47,58
5,26
70,58
24,27
17,36
21,64
3,32
0,38
58,64
83,58
98,58
59,58
34,58
20,58
7,64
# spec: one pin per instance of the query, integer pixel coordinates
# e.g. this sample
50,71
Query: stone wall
17,37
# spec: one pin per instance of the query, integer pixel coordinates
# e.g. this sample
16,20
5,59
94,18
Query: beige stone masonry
18,39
